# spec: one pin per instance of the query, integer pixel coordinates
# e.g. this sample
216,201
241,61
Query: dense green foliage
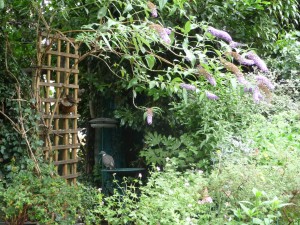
286,64
259,22
249,152
47,199
253,181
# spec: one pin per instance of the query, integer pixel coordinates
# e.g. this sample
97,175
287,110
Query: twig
20,127
24,135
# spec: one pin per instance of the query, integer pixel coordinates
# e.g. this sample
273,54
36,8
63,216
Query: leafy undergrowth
254,180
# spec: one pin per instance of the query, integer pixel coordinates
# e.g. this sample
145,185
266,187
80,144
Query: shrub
47,199
169,197
287,52
254,180
266,158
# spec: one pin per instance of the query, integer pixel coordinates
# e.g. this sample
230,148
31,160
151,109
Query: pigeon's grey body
107,160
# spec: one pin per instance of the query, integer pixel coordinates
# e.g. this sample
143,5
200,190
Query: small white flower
200,172
186,184
190,205
171,192
99,189
167,159
228,218
140,175
207,199
45,42
158,169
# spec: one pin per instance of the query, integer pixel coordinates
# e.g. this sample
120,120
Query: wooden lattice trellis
57,94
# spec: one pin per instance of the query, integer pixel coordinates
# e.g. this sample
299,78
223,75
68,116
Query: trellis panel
56,86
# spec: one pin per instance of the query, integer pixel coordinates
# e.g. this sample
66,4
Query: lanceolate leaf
187,27
1,4
162,4
150,61
128,8
101,12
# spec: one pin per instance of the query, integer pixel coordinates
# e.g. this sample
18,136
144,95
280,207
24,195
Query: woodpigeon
107,160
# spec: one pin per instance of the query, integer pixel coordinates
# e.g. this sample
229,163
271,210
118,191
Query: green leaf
257,221
143,50
86,10
1,4
245,209
201,97
102,12
267,221
187,27
176,80
111,22
132,82
152,84
233,83
150,61
257,193
128,8
190,56
162,3
135,44
145,41
106,41
184,93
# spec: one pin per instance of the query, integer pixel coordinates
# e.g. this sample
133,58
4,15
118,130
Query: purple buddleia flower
168,31
162,32
241,59
152,8
257,96
207,75
248,89
211,96
165,37
154,12
211,80
258,61
220,34
246,62
149,115
189,87
234,44
242,80
265,81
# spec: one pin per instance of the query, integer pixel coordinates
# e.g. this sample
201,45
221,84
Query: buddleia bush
259,22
